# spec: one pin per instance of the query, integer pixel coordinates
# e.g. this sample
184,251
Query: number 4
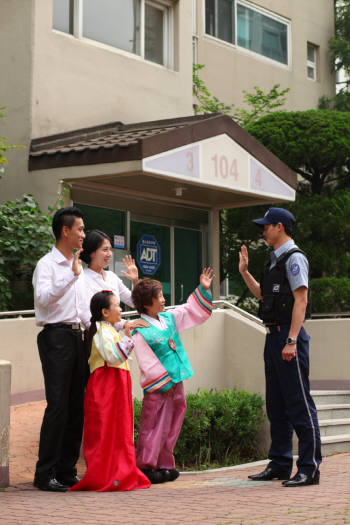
233,169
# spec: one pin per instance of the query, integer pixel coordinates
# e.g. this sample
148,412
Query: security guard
283,296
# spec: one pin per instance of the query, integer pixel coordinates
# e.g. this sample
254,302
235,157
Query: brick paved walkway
217,498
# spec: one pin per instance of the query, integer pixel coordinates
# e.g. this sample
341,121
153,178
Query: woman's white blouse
107,280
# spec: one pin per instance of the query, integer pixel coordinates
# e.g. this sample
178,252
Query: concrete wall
79,82
229,69
16,67
5,386
52,82
329,348
226,351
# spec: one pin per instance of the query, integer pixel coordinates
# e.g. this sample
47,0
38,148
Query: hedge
330,294
220,428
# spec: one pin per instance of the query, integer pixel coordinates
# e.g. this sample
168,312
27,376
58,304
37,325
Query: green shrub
330,294
25,236
220,428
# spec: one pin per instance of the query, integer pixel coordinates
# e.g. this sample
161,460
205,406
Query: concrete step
333,411
326,397
334,427
332,444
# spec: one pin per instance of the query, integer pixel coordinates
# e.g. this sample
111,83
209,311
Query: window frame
311,64
242,49
194,33
166,6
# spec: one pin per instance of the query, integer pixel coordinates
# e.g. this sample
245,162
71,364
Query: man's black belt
68,326
272,328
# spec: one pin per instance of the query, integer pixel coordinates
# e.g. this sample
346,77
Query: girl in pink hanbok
164,365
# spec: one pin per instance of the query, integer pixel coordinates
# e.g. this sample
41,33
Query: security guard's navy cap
275,215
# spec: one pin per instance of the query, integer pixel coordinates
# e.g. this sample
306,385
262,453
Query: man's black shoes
51,485
268,474
301,480
69,481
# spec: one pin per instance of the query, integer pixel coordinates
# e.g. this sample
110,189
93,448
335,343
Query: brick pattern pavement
217,498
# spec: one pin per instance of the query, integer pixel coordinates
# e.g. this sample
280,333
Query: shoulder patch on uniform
295,268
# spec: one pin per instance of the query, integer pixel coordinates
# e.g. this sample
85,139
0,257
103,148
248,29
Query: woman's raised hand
132,272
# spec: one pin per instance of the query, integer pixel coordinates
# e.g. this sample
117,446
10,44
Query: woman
97,253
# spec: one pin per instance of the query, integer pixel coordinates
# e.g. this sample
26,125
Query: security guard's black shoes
51,485
301,480
268,474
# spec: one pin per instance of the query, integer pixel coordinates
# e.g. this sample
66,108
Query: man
57,282
283,296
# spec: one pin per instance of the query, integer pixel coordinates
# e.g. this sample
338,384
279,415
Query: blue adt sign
148,254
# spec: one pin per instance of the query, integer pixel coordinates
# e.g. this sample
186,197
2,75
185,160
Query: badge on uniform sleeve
295,269
172,344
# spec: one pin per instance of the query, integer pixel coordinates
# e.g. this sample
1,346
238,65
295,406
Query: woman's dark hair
65,217
98,302
92,242
143,293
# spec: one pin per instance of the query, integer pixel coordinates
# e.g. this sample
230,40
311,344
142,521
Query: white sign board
219,162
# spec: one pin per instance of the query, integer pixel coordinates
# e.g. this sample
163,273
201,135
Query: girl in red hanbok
108,430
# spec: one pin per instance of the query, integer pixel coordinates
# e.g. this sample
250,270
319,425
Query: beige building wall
16,58
229,69
79,83
225,352
56,82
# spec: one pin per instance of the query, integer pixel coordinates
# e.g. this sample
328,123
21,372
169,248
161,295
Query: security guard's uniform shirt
297,266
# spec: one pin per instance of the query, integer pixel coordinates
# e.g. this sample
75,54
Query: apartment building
100,94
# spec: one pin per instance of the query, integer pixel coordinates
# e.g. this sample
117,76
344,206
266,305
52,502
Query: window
155,29
311,64
62,15
141,27
113,22
219,19
253,29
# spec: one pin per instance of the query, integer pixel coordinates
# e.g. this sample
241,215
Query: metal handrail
237,309
217,304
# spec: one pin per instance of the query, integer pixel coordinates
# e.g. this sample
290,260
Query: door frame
171,224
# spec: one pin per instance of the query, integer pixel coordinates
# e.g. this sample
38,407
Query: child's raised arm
199,305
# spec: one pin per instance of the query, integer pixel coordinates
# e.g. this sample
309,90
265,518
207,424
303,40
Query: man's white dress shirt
58,293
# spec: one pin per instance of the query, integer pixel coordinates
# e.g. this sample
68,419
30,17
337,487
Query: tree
258,102
340,44
322,231
4,146
313,143
341,101
25,236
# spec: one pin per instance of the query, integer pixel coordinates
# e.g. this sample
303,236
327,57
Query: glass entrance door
144,232
188,262
179,276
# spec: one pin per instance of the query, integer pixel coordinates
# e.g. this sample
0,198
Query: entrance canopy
206,161
167,179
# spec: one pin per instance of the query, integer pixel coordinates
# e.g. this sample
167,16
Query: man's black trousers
64,363
289,404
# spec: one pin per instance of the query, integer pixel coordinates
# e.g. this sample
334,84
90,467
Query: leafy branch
258,102
4,147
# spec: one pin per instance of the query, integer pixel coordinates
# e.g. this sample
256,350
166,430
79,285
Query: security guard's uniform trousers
289,404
